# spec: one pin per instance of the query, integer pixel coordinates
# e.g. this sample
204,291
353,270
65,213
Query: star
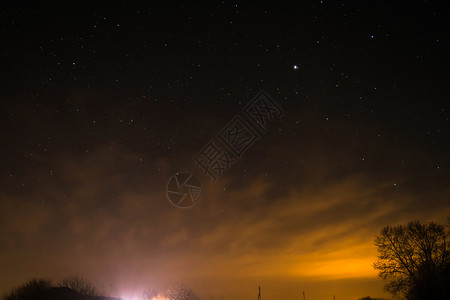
296,67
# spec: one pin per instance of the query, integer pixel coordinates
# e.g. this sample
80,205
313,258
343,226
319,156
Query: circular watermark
184,190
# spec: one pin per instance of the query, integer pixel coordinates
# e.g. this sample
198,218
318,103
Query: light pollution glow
306,239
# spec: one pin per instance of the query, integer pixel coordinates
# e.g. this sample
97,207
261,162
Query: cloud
96,217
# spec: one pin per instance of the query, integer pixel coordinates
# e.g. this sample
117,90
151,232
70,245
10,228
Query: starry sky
102,103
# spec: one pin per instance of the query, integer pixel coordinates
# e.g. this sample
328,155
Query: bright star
296,67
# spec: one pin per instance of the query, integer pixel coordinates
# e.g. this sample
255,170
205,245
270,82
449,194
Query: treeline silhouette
414,260
70,288
76,287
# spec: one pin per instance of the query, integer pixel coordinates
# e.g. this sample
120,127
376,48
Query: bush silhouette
79,285
30,290
71,288
180,292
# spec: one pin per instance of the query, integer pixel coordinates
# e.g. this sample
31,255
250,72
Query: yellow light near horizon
342,268
159,297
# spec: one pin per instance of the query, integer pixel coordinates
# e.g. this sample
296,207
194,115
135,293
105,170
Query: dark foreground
64,293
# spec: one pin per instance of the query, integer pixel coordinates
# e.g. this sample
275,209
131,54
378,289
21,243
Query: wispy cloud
121,231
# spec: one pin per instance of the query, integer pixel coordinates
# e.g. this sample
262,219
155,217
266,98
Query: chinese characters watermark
230,144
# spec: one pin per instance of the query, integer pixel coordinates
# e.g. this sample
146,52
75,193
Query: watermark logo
229,145
263,109
184,190
238,136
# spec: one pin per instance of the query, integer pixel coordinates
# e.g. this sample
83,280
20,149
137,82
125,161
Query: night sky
101,104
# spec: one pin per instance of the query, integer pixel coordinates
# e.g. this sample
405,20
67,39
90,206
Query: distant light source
159,297
296,67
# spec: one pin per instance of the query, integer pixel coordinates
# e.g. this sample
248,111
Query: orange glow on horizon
341,268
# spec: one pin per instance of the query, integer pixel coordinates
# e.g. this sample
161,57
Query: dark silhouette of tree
430,283
30,290
61,293
181,292
79,285
414,260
